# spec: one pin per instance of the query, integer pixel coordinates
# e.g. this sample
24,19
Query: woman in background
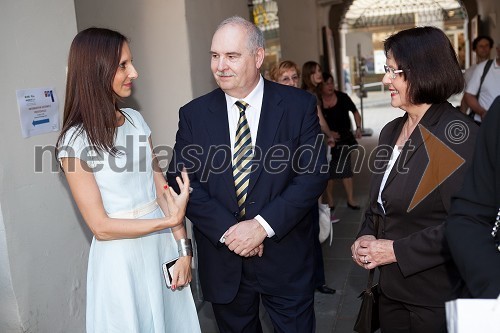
115,180
287,72
311,76
335,107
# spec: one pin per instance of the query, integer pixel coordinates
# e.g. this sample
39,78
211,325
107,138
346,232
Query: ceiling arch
372,13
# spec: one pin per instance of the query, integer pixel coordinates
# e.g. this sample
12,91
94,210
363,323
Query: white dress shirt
396,151
252,113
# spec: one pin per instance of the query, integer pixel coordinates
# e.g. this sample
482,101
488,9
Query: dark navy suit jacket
289,174
474,210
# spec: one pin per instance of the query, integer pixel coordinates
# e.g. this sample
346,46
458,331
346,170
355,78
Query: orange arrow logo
443,162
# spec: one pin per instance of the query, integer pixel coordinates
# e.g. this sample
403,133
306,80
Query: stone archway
394,15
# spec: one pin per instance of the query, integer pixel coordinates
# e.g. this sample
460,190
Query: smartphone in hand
168,271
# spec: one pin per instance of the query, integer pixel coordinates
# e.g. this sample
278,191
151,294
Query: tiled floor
337,313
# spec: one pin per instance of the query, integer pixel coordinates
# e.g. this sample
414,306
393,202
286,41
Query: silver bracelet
184,247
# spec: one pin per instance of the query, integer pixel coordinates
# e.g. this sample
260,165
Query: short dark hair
479,38
429,63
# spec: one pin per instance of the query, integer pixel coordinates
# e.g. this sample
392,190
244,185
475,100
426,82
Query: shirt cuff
270,232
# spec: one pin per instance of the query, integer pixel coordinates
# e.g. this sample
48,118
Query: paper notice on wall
38,111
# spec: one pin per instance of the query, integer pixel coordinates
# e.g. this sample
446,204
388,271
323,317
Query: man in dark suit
254,155
474,211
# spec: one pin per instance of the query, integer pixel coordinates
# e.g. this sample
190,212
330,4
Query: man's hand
245,238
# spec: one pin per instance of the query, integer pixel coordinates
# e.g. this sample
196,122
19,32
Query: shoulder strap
485,71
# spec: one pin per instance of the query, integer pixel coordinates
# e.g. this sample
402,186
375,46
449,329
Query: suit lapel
415,142
218,131
270,117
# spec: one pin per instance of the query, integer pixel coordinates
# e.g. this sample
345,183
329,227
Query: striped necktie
242,157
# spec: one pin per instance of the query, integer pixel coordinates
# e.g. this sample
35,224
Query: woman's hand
177,202
330,141
369,252
182,272
358,133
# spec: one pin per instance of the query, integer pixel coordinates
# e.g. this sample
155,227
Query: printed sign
38,111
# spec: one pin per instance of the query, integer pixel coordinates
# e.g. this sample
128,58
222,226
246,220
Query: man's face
234,66
483,49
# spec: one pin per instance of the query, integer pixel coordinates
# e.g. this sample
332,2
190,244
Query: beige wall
202,19
42,246
159,44
300,31
489,11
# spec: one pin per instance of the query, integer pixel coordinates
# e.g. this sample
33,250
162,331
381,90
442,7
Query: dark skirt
340,165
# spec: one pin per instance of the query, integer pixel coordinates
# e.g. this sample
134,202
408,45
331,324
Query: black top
337,117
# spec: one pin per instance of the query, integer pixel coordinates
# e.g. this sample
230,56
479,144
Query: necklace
404,136
406,131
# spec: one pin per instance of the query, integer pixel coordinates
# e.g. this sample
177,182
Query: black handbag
368,320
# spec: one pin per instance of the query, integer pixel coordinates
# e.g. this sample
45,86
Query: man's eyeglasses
393,72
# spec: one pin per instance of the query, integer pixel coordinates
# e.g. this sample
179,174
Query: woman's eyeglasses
288,80
393,72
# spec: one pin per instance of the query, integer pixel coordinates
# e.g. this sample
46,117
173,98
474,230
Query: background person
312,75
257,248
134,221
311,78
287,72
482,46
335,107
411,199
490,88
473,213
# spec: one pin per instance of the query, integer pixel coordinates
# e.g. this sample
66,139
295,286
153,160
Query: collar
254,99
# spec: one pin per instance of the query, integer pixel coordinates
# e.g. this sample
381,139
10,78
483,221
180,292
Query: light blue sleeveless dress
126,291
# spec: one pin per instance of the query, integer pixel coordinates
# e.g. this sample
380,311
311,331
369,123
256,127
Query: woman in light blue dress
136,218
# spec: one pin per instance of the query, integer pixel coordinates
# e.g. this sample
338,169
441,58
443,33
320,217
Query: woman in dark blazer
473,214
419,164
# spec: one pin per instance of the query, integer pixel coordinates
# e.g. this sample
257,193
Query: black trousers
399,317
289,314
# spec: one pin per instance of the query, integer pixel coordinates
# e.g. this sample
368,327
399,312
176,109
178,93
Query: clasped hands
246,238
369,252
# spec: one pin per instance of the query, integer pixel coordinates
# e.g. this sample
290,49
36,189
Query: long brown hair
90,101
307,69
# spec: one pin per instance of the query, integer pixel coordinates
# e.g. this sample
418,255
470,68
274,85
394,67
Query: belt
136,212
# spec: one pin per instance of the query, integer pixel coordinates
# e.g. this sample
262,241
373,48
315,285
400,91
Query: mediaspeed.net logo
443,161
